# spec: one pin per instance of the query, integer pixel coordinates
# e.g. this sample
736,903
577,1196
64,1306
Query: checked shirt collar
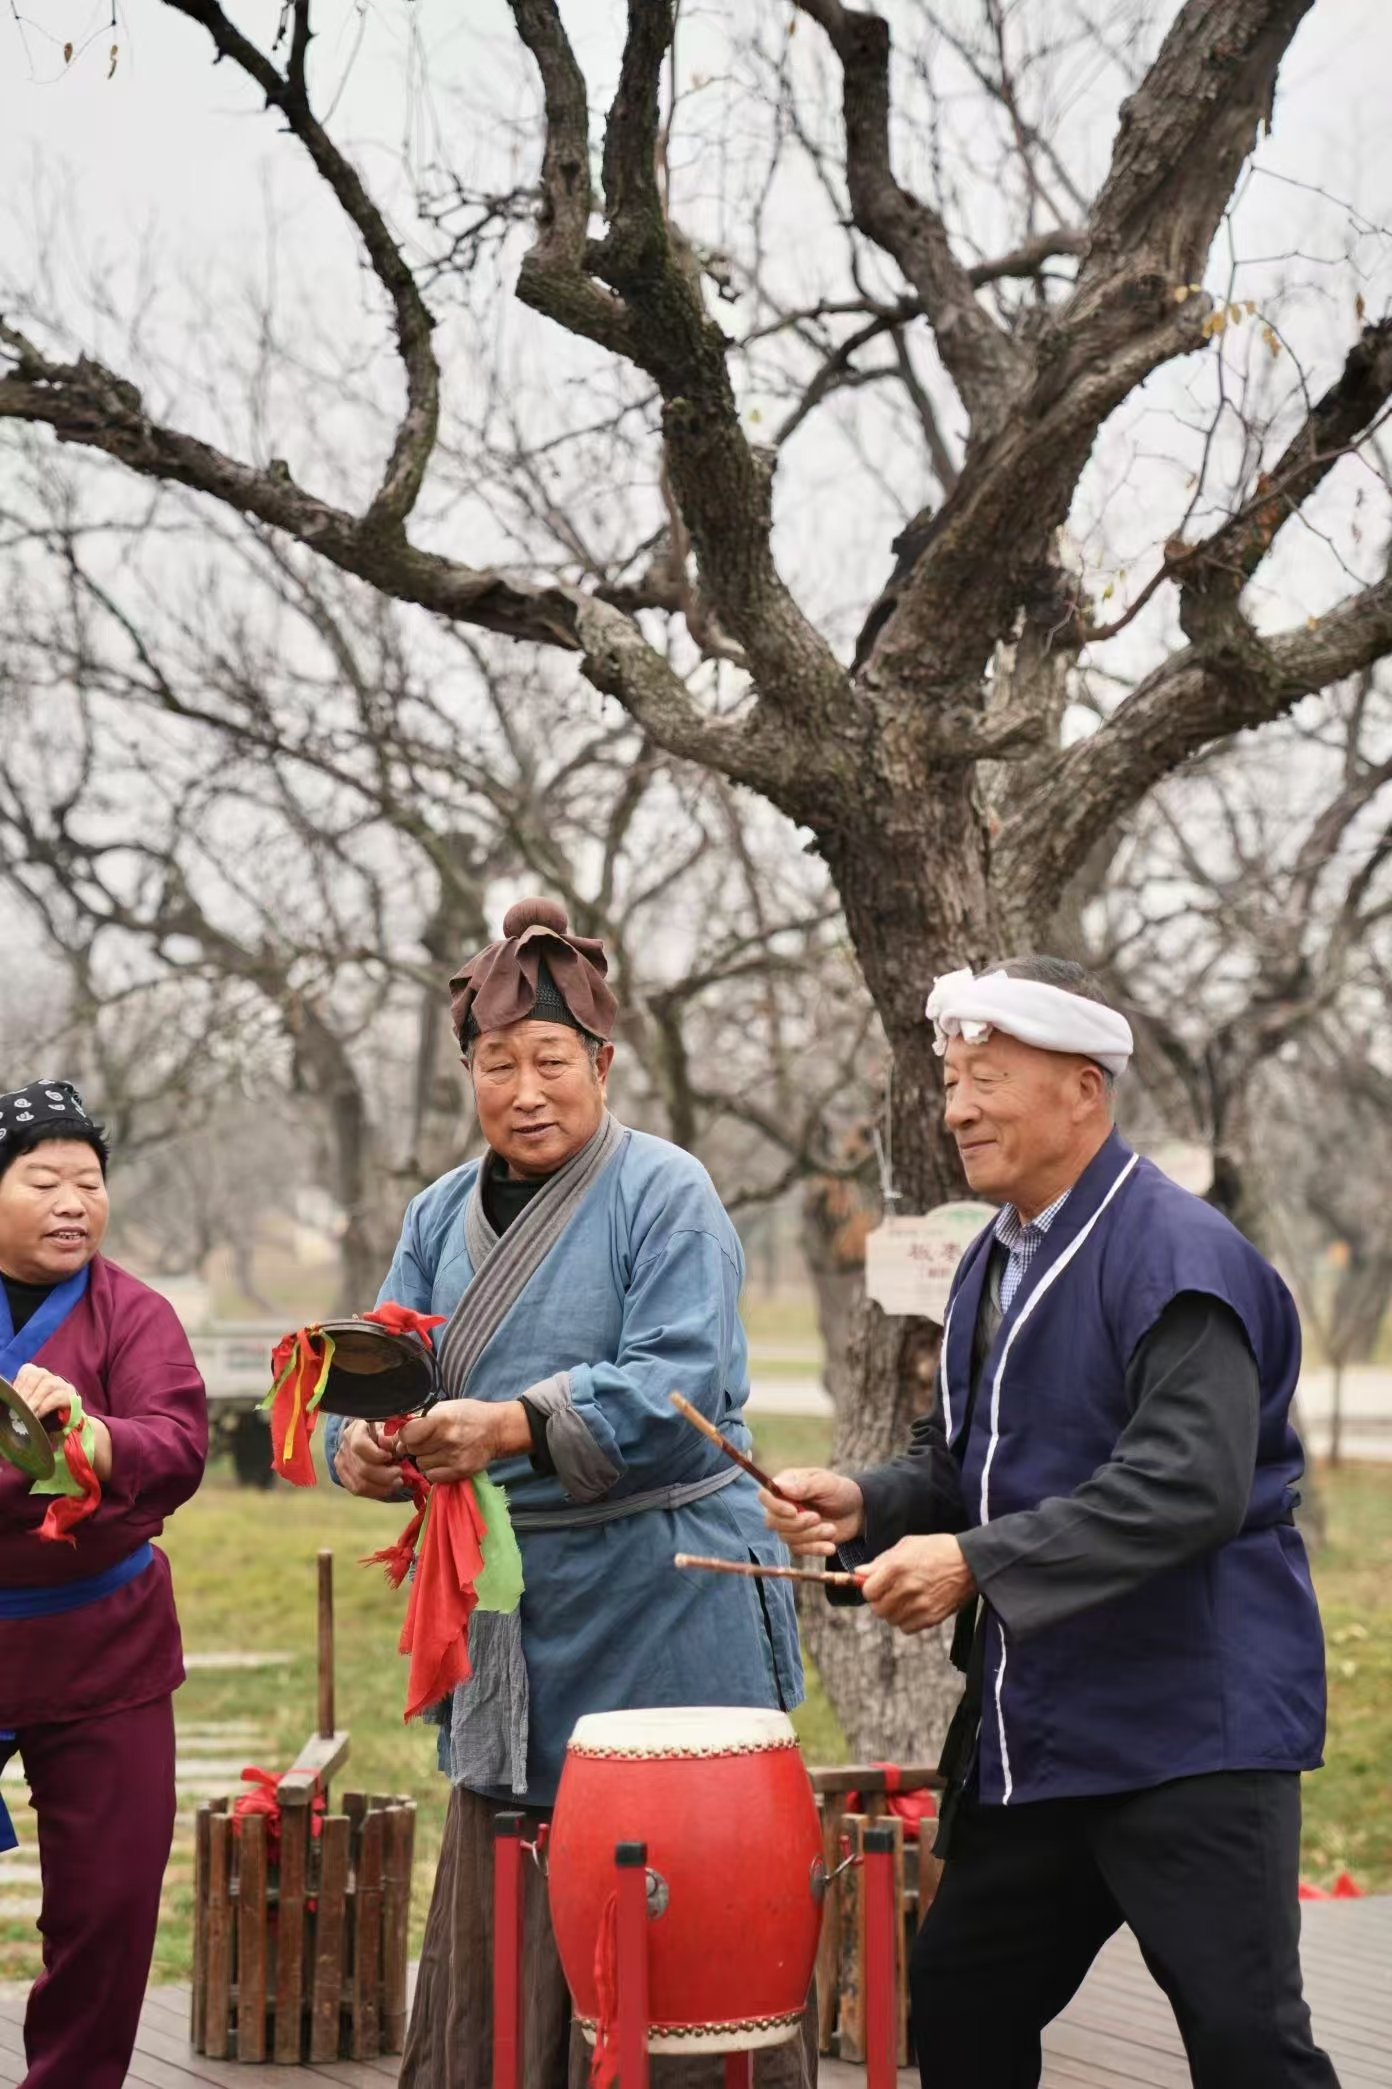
1022,1242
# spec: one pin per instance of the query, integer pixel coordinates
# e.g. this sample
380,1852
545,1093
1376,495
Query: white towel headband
1048,1017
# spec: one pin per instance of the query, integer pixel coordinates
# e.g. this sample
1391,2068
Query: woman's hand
833,1511
457,1438
364,1464
47,1395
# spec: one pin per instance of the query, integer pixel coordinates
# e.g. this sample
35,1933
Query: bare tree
322,802
1324,1167
1241,913
932,770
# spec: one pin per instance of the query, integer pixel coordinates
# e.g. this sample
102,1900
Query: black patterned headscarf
46,1110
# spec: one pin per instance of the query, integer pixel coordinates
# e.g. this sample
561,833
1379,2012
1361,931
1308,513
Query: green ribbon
499,1586
62,1481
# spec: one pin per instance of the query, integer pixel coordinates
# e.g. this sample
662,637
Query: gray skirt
450,2041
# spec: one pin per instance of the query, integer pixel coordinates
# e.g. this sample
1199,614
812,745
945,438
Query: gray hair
1061,972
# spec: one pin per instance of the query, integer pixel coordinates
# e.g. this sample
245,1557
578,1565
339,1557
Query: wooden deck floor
1118,2034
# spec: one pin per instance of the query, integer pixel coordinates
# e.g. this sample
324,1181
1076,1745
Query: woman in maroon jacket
89,1642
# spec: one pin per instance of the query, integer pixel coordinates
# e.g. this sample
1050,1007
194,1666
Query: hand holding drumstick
813,1511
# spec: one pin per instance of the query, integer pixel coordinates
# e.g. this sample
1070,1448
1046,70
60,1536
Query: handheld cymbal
376,1374
24,1441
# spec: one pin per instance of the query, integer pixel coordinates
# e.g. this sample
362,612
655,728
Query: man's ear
604,1059
1092,1086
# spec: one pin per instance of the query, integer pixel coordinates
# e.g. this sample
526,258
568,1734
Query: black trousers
1205,1871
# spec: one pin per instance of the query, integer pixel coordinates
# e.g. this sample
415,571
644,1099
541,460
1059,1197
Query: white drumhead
673,1730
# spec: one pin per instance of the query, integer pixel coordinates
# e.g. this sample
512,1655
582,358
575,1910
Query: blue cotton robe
638,1299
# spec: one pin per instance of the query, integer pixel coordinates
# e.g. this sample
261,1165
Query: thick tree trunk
323,1065
1236,1194
917,903
442,1124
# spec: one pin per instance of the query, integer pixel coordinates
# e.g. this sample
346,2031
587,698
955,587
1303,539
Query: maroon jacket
124,1350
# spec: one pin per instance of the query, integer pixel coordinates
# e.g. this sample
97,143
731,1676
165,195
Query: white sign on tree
910,1261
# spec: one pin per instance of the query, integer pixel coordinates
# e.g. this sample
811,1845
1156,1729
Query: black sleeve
540,1454
918,1492
1177,1485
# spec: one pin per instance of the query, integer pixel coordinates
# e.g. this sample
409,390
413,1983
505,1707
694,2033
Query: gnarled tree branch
415,437
1201,694
986,366
721,485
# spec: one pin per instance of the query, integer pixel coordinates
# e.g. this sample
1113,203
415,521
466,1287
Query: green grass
245,1579
1348,1804
781,1316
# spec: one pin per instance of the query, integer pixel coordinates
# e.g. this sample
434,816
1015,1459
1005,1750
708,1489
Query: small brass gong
24,1441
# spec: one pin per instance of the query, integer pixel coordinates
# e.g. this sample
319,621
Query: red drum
735,1875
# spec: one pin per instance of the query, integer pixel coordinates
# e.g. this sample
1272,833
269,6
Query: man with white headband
1105,1494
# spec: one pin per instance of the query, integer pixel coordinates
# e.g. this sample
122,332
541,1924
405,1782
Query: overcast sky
170,157
169,137
173,156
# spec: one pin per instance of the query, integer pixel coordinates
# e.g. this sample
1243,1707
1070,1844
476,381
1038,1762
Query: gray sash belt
586,1514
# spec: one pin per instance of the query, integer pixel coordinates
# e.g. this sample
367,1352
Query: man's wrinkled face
1015,1113
539,1095
53,1211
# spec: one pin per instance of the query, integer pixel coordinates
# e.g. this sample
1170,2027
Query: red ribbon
436,1632
450,1532
1344,1888
405,1320
444,1538
604,2068
912,1808
264,1799
66,1511
297,1364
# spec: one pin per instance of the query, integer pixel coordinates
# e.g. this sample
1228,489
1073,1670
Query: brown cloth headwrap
499,986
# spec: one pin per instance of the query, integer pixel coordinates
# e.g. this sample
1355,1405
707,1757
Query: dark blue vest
1215,1665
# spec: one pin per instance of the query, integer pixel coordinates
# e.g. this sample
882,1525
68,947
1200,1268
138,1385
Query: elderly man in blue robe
1105,1493
588,1271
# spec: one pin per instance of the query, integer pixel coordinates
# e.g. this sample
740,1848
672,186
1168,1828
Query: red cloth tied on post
912,1808
264,1799
300,1369
66,1511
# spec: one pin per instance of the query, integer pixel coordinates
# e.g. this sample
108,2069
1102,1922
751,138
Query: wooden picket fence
300,1937
305,1959
841,1953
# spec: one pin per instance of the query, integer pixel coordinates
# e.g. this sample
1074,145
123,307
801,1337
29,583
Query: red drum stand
631,1953
881,1938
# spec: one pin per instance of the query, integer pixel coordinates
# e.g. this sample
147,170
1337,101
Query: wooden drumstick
756,1571
698,1421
